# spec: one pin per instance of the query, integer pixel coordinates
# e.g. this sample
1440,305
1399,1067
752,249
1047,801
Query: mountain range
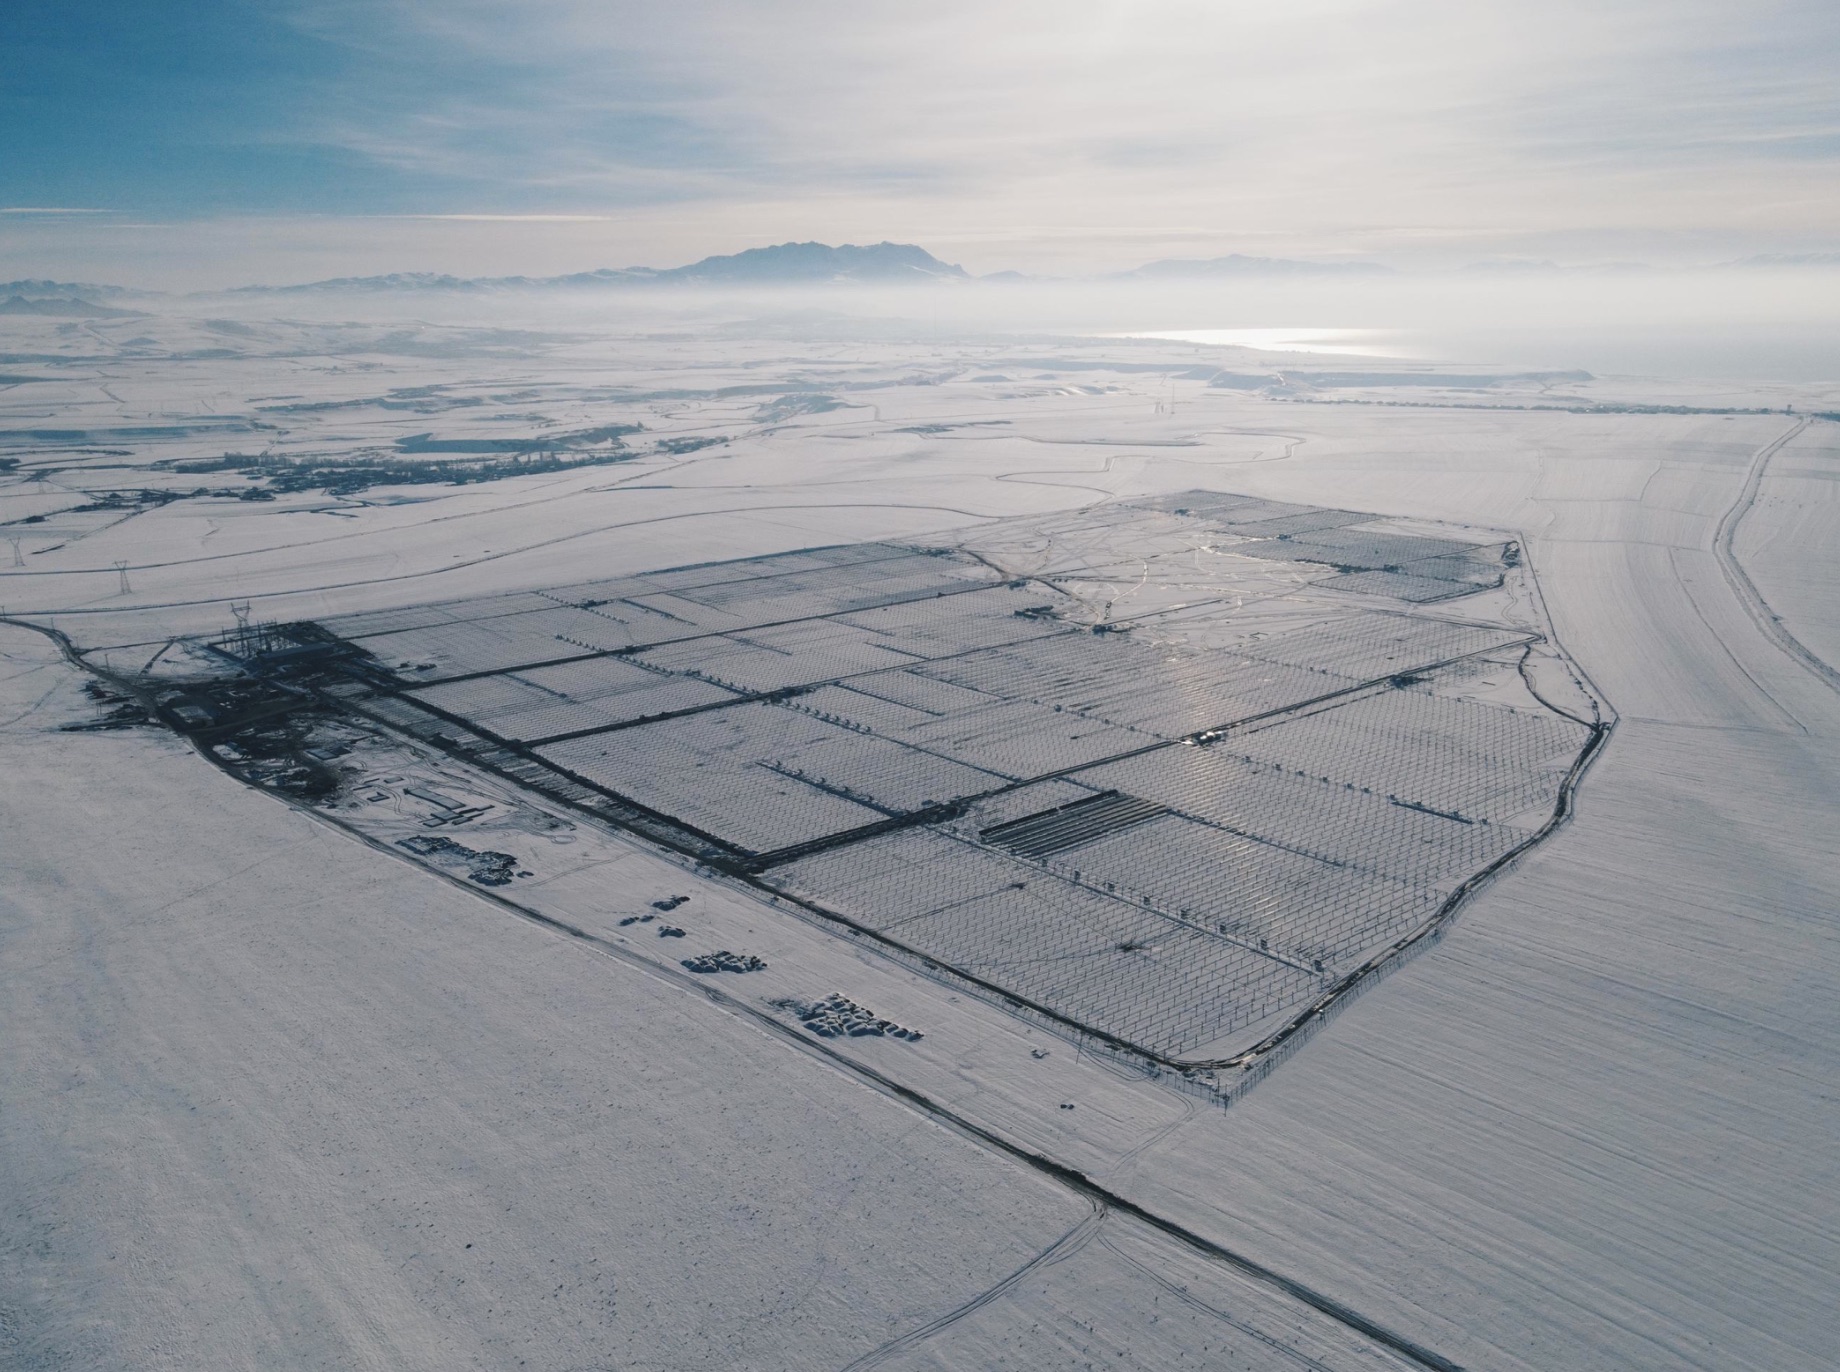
782,264
809,264
62,306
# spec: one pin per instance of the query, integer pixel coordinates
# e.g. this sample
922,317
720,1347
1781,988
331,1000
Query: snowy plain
264,1083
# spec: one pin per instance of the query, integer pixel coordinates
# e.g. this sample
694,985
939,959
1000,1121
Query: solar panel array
1369,561
1164,836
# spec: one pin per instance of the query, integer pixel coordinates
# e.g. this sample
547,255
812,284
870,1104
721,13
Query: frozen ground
263,1080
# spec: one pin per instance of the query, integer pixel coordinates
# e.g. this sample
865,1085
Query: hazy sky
326,135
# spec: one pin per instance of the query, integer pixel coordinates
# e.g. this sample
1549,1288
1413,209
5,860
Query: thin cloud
1476,117
1322,125
509,218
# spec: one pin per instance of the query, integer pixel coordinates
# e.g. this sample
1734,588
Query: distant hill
782,264
1236,264
66,307
406,282
1524,267
393,281
1789,259
1513,266
41,290
878,262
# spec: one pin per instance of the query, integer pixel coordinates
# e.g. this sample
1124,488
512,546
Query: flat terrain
394,1128
262,1082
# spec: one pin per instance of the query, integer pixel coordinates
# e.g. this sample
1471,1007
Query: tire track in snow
1065,1246
1739,580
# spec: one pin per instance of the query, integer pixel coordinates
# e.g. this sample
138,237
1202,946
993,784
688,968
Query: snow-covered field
276,1092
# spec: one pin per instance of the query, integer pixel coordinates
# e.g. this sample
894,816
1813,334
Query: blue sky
1074,135
216,106
171,109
